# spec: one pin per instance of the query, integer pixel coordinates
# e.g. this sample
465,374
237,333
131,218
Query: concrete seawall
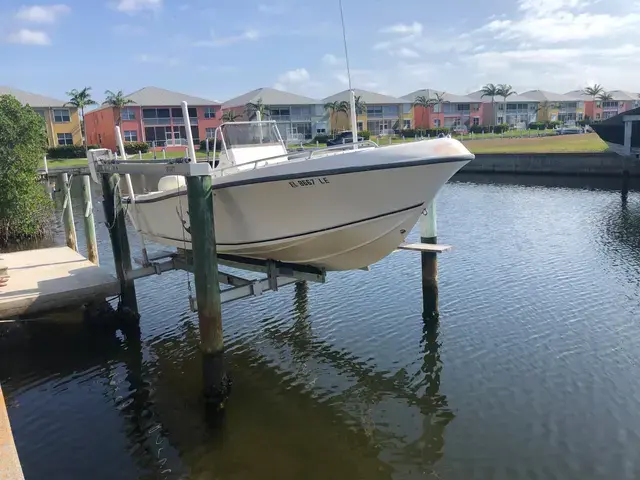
10,468
582,164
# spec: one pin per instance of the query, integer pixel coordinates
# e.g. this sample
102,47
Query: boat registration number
309,182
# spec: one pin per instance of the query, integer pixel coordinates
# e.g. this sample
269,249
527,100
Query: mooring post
114,217
89,223
429,260
205,267
64,190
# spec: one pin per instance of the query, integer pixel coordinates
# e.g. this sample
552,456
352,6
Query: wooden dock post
429,260
205,266
64,190
114,218
89,223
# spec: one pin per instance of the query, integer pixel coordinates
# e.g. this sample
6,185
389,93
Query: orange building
154,117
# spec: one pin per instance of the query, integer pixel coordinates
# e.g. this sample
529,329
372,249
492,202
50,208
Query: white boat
335,208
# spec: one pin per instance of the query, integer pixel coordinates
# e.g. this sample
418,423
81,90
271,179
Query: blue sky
222,49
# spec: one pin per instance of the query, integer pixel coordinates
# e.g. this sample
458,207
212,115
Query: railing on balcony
156,121
180,121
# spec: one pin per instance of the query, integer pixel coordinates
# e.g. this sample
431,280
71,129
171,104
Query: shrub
66,151
538,126
320,139
93,147
25,208
203,145
132,148
554,124
365,134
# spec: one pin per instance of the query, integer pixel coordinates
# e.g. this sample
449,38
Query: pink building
154,117
453,110
621,101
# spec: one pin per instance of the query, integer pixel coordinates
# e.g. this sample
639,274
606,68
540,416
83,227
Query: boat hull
336,221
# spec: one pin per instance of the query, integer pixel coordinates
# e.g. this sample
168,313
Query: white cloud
132,6
330,59
29,37
557,21
42,13
414,28
294,76
214,41
406,52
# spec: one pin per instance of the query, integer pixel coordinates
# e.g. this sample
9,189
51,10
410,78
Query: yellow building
380,114
62,122
555,107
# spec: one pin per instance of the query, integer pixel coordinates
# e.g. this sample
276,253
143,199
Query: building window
436,123
128,114
130,136
99,139
360,126
65,139
210,132
597,116
321,131
61,116
209,112
406,123
476,121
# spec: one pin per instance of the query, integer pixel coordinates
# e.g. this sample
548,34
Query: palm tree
605,97
335,108
505,90
252,108
490,90
117,101
593,92
81,99
544,108
361,107
425,103
440,100
230,116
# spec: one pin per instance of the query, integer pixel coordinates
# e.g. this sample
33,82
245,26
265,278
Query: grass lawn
82,162
588,142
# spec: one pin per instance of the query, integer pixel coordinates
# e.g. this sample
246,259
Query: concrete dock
51,278
10,468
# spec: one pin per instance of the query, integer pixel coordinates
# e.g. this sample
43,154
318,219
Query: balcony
180,121
150,122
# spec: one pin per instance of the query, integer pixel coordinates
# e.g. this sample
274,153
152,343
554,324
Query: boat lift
203,260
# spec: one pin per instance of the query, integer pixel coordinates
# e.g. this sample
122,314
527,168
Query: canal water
532,372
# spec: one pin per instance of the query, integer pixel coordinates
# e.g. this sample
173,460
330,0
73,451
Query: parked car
342,137
569,130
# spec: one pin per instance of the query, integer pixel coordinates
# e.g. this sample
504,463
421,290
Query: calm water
533,371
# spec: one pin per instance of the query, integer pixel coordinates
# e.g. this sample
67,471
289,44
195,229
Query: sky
221,49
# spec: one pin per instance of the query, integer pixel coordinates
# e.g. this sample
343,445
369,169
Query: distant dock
10,468
51,278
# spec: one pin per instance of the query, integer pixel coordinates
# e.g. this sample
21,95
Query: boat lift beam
277,274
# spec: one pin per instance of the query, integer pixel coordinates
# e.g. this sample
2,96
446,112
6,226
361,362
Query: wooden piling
205,266
115,220
64,190
429,261
89,222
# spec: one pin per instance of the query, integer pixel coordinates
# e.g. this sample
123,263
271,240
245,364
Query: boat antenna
352,94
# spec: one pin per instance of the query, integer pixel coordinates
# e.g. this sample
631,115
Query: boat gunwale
346,170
